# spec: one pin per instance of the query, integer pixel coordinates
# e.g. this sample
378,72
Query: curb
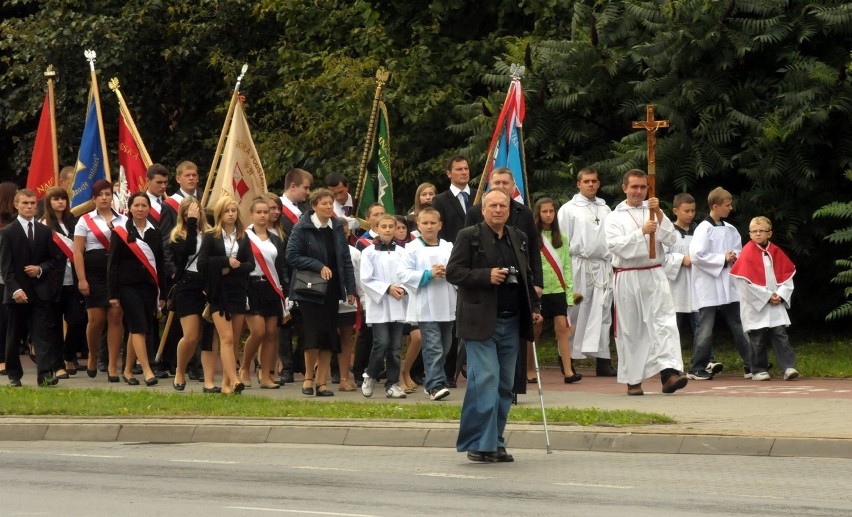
412,434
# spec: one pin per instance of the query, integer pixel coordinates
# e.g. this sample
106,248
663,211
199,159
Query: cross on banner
650,125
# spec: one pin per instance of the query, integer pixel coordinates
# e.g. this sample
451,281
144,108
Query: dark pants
39,318
363,350
777,336
291,361
703,346
72,309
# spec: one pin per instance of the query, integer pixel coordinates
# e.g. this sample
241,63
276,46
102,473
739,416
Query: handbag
309,282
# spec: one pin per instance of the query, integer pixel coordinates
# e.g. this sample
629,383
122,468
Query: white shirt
457,194
92,242
436,300
378,271
713,284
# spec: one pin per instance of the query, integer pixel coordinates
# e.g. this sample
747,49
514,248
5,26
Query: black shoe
172,371
102,367
603,368
335,378
500,456
62,376
239,387
214,389
131,381
287,376
137,369
417,380
152,381
112,378
195,375
47,381
572,379
161,374
178,387
91,373
450,383
503,456
322,391
15,383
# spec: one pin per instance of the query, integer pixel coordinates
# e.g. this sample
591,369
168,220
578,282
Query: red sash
66,249
271,277
556,269
145,255
96,231
154,213
174,203
289,214
365,241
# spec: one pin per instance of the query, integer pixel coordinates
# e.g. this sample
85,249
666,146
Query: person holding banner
135,272
558,292
266,297
58,217
226,261
92,236
189,298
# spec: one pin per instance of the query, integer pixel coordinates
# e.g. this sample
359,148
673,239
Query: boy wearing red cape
764,276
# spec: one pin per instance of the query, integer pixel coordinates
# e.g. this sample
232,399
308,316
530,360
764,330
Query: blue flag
90,160
506,149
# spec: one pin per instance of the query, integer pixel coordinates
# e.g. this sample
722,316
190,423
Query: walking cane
541,398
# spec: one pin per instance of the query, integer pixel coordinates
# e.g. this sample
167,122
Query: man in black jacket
31,264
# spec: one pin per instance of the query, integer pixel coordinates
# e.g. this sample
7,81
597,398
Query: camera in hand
512,274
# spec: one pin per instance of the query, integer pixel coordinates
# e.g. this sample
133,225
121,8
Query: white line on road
311,467
454,476
220,462
88,455
280,510
592,485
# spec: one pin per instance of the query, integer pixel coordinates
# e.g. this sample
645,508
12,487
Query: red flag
130,159
42,173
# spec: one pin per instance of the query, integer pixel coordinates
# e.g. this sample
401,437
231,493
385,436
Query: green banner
378,184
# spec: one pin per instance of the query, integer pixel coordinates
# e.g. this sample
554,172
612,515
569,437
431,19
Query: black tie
347,210
466,197
30,233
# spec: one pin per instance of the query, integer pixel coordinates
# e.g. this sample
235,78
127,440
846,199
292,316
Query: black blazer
452,214
469,268
521,217
212,259
16,253
280,260
125,270
167,222
182,250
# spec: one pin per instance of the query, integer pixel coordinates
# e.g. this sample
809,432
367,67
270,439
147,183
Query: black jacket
182,250
125,270
17,253
305,250
212,259
280,260
452,214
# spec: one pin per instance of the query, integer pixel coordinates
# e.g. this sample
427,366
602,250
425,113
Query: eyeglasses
760,231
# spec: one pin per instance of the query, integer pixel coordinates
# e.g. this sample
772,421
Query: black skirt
263,300
96,276
189,295
139,303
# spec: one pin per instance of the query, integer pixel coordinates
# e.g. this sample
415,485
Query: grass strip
98,403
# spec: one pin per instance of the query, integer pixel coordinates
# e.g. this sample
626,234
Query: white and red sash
154,213
96,231
289,214
174,203
65,244
142,251
266,265
552,258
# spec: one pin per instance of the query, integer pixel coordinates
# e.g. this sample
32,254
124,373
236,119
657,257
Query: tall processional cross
650,125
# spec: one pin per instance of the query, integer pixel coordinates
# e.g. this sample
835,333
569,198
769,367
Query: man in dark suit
497,307
31,264
454,202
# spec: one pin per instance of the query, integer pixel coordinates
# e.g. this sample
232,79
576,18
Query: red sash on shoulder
174,203
289,214
96,231
261,259
749,264
65,244
142,251
154,213
551,259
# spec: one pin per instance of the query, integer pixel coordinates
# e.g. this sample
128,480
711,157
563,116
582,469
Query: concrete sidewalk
728,415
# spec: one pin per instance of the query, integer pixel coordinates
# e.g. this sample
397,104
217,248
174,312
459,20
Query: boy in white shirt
385,308
678,264
432,302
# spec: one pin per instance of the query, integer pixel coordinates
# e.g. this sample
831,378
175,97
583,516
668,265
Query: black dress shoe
195,375
137,369
335,378
178,386
62,376
214,389
239,387
451,383
91,373
417,380
161,374
15,383
131,381
502,456
287,376
323,391
3,371
151,382
102,367
603,368
47,381
572,378
112,378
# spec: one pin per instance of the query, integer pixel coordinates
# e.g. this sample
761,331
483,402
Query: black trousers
72,308
363,350
291,360
39,319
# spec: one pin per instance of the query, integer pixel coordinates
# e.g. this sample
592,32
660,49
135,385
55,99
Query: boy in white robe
581,219
385,308
764,275
432,300
678,264
714,249
646,335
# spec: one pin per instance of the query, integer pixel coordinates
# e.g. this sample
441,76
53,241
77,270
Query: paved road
68,478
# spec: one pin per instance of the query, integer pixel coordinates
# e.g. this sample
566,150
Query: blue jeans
436,338
387,346
703,345
777,337
490,377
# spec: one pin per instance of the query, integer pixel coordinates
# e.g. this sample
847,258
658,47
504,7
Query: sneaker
368,385
746,373
790,374
439,393
700,375
760,376
394,392
714,368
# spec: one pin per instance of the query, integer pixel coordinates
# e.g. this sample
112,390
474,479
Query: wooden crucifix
650,125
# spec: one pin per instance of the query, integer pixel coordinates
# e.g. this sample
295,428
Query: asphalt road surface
133,479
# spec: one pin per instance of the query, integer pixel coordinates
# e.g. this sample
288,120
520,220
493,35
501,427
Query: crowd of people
467,282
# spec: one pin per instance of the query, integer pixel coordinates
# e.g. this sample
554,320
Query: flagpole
128,118
90,57
50,73
483,180
218,155
382,76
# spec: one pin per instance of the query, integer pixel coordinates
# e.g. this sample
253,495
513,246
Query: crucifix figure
651,126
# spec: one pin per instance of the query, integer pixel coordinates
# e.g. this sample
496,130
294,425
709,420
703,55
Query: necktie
30,233
347,210
466,197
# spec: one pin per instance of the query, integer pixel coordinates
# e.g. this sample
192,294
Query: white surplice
379,270
755,310
711,281
647,338
436,300
583,221
680,276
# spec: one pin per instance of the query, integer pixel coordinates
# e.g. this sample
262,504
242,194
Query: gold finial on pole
382,77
